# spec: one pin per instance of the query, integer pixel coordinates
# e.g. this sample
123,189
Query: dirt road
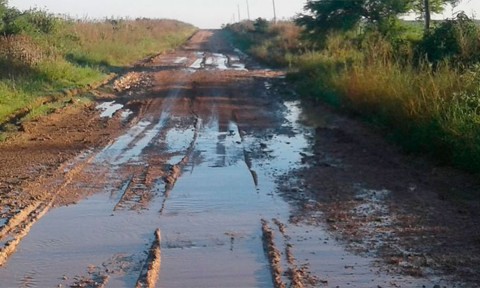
199,172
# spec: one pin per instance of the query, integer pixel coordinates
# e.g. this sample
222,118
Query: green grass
78,53
428,111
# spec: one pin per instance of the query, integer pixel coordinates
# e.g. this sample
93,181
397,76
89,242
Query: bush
29,22
261,25
272,43
455,41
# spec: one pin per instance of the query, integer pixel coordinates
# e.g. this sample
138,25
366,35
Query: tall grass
274,44
77,53
121,42
427,110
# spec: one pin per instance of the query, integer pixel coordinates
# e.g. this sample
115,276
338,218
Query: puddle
126,114
240,52
113,152
217,61
215,209
180,60
108,109
128,147
268,85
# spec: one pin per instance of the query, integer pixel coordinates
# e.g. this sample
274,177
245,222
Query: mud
202,144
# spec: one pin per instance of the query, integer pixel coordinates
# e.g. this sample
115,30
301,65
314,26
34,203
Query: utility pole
238,8
248,10
274,12
427,14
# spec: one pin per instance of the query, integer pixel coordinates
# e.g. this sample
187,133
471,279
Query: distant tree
3,11
331,15
261,25
427,7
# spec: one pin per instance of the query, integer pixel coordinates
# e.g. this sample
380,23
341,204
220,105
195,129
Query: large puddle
210,221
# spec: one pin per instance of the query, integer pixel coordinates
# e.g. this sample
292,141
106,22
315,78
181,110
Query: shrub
455,40
272,43
261,25
29,22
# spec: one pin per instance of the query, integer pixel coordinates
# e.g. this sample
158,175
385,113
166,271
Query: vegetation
272,43
421,86
41,54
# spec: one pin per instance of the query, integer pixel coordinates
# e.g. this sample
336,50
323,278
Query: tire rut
284,267
150,272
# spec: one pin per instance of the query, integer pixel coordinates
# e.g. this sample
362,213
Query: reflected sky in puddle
108,109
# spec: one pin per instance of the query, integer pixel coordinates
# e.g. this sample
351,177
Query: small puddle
125,114
180,60
217,61
108,109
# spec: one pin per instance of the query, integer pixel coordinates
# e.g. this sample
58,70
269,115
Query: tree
3,11
333,15
261,25
427,7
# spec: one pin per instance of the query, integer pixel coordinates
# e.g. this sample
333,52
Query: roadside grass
428,109
117,43
433,111
273,44
76,54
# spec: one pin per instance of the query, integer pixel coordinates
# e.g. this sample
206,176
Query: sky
201,13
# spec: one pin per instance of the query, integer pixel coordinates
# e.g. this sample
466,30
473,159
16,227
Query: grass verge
75,55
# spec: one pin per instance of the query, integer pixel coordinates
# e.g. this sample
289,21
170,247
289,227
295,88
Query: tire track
286,273
97,281
20,225
16,235
137,192
150,272
274,255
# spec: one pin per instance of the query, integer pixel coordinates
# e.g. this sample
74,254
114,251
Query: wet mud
201,145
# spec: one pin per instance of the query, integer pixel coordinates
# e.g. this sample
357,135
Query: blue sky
202,13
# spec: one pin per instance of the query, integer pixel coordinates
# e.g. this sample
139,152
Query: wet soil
195,170
420,219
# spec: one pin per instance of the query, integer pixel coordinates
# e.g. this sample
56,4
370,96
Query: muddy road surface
197,172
